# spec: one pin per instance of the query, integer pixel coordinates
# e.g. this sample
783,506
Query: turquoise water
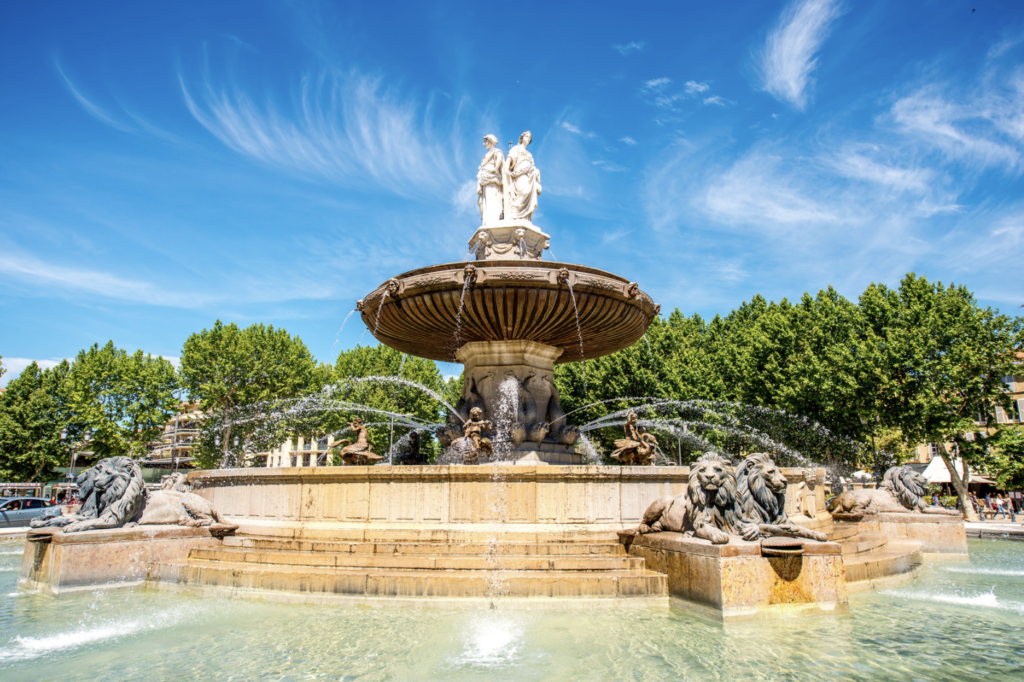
959,620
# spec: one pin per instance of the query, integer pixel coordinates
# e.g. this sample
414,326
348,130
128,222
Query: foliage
1005,458
238,373
124,399
367,361
33,410
2,370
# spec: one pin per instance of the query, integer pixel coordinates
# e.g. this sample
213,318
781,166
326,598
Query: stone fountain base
735,582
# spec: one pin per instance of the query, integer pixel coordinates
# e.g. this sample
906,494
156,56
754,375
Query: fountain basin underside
432,312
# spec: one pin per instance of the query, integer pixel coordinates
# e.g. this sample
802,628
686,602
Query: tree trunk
961,487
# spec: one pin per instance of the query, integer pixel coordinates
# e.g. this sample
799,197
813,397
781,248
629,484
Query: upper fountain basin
418,312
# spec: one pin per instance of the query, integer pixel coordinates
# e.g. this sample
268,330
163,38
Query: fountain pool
957,620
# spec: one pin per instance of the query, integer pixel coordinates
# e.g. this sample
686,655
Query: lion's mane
907,486
758,502
124,498
713,507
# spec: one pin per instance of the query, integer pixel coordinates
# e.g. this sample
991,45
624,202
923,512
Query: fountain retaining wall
309,502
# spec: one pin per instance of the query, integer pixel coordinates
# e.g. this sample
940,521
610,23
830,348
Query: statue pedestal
509,240
937,533
513,382
734,582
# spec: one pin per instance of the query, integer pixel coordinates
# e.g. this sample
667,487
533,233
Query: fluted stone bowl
432,312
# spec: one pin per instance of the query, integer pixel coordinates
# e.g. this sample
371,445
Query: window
305,460
295,460
33,504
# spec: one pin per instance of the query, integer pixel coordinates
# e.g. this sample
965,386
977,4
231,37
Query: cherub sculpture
473,444
413,456
359,453
638,447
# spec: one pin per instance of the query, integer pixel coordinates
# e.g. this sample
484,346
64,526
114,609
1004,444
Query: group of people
1004,507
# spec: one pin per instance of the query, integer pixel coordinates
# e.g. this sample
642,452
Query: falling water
522,248
338,337
576,310
648,344
458,315
376,322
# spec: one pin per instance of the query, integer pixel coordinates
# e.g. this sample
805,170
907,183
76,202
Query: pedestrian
935,500
999,508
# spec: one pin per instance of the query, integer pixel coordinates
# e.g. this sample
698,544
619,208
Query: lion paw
643,528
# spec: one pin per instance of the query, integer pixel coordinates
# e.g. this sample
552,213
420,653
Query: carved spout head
563,276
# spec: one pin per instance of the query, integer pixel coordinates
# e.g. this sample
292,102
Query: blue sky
163,166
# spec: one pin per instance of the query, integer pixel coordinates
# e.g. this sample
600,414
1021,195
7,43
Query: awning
936,472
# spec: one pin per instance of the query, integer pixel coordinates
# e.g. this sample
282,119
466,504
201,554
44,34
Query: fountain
520,505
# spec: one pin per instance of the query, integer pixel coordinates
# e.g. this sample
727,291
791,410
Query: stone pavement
1000,528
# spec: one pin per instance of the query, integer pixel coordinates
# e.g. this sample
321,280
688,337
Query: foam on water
34,647
983,571
491,640
18,551
984,600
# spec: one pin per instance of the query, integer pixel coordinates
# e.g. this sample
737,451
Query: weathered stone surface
937,534
418,312
734,582
58,562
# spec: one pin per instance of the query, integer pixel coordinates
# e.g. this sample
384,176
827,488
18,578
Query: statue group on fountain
507,188
638,448
359,453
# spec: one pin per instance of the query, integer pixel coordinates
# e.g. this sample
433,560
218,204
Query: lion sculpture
114,495
902,490
707,509
761,496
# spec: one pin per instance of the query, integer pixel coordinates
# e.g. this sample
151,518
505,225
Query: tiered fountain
509,317
544,528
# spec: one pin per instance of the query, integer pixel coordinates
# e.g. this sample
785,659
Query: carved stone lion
761,496
902,490
707,509
114,495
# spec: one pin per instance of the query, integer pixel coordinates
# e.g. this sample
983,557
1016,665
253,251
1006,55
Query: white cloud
608,166
787,61
346,127
93,109
984,127
465,197
628,140
15,366
656,83
693,87
634,46
28,268
575,130
715,99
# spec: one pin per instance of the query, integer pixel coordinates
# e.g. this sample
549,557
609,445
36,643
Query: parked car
18,511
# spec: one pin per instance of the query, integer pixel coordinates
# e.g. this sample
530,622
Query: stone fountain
509,317
750,541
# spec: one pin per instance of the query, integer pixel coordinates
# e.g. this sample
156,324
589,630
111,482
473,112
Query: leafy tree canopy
33,410
125,399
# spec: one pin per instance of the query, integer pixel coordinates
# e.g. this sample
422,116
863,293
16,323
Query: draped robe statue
521,181
488,183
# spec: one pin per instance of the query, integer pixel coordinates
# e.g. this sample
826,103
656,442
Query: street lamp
236,441
74,454
874,451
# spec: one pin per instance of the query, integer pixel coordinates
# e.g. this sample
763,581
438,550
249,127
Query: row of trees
918,363
921,363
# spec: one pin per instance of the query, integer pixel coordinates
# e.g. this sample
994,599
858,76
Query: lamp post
75,448
874,451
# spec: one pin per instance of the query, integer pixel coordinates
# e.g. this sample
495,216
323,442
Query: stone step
362,582
841,531
896,557
864,542
464,533
437,561
517,548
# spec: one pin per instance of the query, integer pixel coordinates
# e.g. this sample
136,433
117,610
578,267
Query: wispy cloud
787,60
715,100
628,140
693,87
983,126
625,49
575,130
346,127
93,109
656,83
27,268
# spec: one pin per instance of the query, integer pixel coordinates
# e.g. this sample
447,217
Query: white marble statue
488,182
521,181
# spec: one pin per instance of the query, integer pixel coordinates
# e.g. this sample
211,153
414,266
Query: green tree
382,361
1005,458
33,410
125,399
2,370
239,375
935,365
